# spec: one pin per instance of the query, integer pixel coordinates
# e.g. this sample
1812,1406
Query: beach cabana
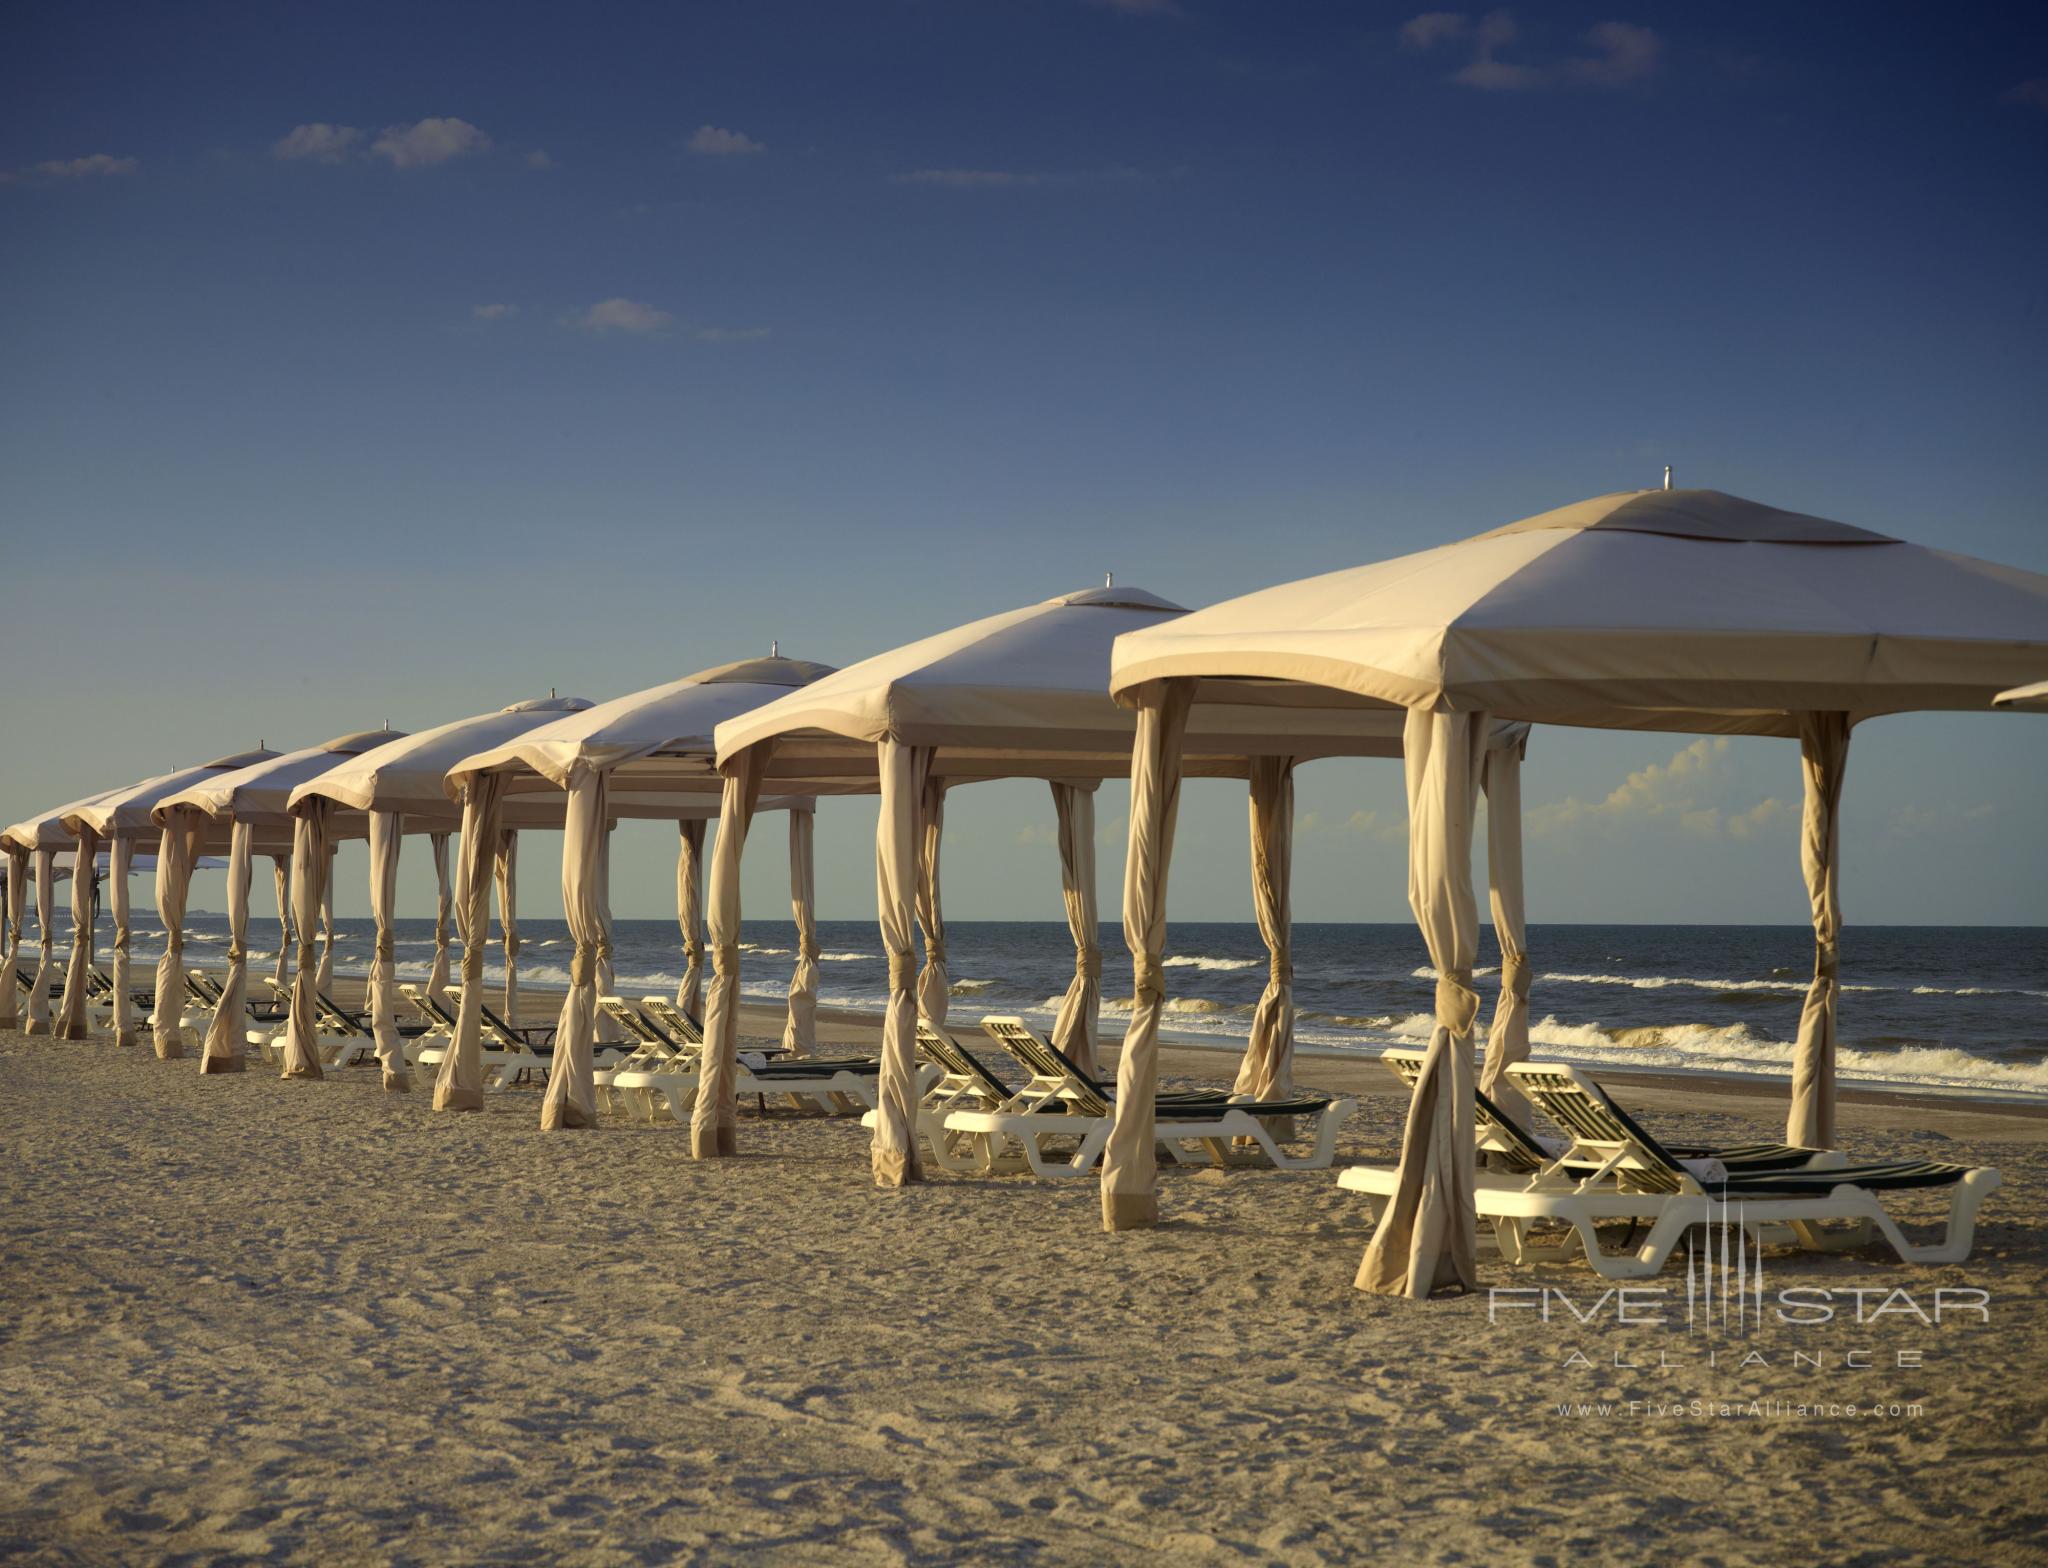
398,787
645,755
32,847
1679,610
1023,694
2032,698
245,812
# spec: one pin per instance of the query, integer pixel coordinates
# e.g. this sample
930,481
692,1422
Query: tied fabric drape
1507,1040
310,856
1130,1199
571,1099
177,852
1428,1235
460,1085
326,980
444,906
1074,1030
899,859
506,873
1823,759
122,859
1267,1072
227,1028
934,984
690,917
800,1032
281,882
607,978
385,840
46,941
71,1019
714,1119
10,947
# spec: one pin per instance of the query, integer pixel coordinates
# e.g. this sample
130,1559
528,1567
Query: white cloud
428,142
493,312
714,141
1678,793
539,160
89,167
318,141
623,315
1618,54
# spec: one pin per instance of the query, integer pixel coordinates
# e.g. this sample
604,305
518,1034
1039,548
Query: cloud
2033,92
1010,179
89,167
1618,54
1677,793
317,141
714,141
427,142
623,315
493,312
539,160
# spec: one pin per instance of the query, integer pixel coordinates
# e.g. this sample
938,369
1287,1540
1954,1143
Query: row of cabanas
1686,610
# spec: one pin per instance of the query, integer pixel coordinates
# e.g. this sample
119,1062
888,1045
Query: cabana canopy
2034,697
37,839
646,754
1684,610
1021,694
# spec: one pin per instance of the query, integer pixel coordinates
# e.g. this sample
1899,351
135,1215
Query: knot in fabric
511,941
583,965
1515,975
604,950
807,949
902,971
386,948
725,958
309,957
472,963
935,951
1280,967
1457,1004
1088,962
120,936
693,951
1148,977
1827,961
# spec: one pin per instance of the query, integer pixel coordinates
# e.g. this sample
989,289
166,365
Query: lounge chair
835,1085
507,1059
960,1081
1636,1178
340,1038
1061,1105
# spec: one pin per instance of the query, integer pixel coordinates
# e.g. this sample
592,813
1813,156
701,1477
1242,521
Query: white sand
246,1319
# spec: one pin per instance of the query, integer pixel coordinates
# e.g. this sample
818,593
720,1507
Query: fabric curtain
899,879
934,983
506,873
72,1023
714,1119
800,1032
10,935
460,1085
1507,1040
444,907
690,917
1428,1235
229,1024
1074,1030
1130,1198
326,980
121,860
386,837
605,1029
1267,1072
46,941
281,883
1823,759
310,860
571,1099
177,852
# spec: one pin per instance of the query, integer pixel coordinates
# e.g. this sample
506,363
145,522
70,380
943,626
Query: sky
371,362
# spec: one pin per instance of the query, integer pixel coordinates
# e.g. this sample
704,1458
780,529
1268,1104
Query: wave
1200,961
970,987
846,958
1428,972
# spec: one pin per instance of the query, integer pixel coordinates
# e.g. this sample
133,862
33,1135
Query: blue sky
534,347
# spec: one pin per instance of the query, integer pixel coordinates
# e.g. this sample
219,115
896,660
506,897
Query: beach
294,1322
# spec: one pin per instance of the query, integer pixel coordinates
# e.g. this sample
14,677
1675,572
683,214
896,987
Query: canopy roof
2034,696
1025,694
58,827
258,793
656,743
47,831
128,812
1659,609
405,774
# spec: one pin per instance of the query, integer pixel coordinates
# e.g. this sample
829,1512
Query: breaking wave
1200,961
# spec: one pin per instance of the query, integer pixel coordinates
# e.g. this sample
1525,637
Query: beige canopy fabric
1267,1072
123,856
326,970
1428,1235
46,939
444,913
690,916
281,885
460,1084
607,976
571,1099
506,874
310,860
178,846
899,840
10,951
2034,697
386,830
800,1031
1507,1041
226,1029
1823,755
71,1020
1130,1160
934,984
714,1118
1074,1029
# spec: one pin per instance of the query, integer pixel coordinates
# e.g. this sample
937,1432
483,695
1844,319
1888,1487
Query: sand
290,1322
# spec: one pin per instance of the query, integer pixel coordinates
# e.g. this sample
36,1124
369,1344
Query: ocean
1941,1007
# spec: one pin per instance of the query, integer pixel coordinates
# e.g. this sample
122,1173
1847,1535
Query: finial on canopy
1109,579
774,648
1667,476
